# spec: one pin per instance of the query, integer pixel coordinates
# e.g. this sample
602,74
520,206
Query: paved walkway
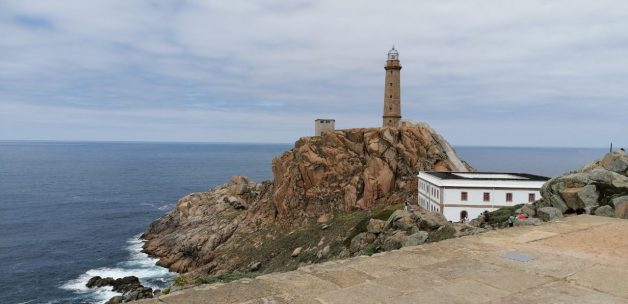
580,259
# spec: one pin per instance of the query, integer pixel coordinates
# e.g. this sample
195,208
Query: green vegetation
166,291
335,248
380,214
180,281
501,215
307,256
371,249
224,278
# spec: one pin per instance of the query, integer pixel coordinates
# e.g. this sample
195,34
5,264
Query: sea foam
139,264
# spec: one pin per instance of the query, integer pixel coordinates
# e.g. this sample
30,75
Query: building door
463,216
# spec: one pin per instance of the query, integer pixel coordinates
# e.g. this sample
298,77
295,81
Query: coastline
138,264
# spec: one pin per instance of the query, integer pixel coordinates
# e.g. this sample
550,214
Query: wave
139,264
164,207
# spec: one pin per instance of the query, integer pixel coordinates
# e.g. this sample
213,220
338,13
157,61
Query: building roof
488,176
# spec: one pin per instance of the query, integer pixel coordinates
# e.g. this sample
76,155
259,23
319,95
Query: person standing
511,221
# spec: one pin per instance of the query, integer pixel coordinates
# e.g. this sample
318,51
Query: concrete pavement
579,259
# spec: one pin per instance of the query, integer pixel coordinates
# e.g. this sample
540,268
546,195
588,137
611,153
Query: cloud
486,66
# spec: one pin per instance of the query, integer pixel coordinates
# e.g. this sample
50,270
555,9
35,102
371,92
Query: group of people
512,219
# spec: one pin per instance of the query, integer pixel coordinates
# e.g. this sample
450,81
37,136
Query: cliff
356,168
338,178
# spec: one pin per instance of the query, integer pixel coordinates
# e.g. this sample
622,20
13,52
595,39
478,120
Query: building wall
430,197
475,204
447,200
322,125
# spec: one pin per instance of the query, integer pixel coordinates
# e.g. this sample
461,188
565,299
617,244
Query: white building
459,195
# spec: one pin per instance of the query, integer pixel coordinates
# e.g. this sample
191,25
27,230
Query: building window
509,197
531,197
487,197
391,84
390,96
463,196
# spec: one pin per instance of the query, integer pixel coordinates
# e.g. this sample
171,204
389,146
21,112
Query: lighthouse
392,90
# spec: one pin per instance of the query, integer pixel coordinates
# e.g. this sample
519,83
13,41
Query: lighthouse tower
392,90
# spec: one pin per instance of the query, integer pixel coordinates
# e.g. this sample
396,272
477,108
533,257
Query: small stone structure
321,125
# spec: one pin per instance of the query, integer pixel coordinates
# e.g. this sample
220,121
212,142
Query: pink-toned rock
335,173
356,168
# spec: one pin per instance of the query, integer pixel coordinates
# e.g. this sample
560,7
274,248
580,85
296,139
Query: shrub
224,278
371,249
180,281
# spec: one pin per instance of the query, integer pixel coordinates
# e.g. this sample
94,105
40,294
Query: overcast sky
499,73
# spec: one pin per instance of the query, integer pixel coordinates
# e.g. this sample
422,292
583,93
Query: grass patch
380,214
180,281
224,278
387,212
501,215
348,217
307,256
371,249
335,248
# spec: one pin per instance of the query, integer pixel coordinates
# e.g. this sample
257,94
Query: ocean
72,210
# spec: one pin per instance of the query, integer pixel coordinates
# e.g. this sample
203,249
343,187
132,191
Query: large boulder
417,238
616,162
570,197
589,187
608,178
393,241
375,226
605,210
429,221
360,241
528,210
621,207
581,197
97,281
588,196
549,214
401,220
239,185
444,232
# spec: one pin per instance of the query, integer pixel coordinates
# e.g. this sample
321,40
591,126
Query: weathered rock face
600,183
187,237
356,168
130,287
321,176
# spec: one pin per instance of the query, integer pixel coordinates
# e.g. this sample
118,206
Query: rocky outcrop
407,228
600,183
130,288
321,177
356,168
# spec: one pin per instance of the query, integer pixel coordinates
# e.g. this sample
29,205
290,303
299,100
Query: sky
483,73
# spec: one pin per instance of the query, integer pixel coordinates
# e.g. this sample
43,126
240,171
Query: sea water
70,211
73,210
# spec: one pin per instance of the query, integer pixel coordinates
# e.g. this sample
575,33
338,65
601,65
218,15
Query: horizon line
250,143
